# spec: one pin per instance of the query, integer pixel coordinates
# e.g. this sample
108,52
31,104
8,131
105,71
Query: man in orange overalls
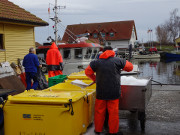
54,61
107,78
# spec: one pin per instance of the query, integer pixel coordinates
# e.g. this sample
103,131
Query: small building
16,31
117,34
177,41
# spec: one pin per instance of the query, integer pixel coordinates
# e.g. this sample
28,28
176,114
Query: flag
48,10
150,30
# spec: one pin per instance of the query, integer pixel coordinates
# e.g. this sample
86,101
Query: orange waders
100,111
54,73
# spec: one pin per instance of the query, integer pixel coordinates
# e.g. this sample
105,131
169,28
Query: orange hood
107,54
53,46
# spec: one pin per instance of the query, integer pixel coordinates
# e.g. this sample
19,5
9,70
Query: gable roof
122,29
9,12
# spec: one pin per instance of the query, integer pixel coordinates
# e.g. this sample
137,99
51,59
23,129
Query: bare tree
173,24
162,34
170,30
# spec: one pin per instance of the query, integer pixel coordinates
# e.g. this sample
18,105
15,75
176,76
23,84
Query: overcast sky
147,14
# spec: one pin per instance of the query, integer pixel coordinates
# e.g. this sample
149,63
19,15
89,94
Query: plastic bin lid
47,97
78,75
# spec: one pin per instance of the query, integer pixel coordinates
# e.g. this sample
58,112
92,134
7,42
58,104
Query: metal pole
149,40
56,22
152,37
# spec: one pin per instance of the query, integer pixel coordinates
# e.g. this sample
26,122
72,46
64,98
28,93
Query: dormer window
103,34
95,35
111,34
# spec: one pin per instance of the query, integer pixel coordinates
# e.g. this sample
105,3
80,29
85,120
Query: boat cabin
73,53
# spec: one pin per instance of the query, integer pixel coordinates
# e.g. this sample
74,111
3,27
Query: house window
1,42
111,34
67,54
103,34
95,35
78,54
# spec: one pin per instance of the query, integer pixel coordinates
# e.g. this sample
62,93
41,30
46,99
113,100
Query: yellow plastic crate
45,113
90,98
78,75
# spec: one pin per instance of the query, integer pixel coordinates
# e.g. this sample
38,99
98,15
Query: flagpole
152,37
148,37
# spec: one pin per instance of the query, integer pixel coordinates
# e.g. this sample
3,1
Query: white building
117,34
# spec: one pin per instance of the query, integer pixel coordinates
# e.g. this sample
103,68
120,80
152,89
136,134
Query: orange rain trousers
100,111
54,73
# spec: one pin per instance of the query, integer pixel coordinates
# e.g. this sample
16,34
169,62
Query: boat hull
148,56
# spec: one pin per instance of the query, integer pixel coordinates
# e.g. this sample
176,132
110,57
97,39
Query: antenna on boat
56,19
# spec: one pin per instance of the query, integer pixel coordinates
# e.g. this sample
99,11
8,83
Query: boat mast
56,19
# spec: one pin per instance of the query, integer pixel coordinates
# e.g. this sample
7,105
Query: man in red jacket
107,78
54,61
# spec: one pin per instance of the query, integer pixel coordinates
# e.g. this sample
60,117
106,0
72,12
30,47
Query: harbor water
165,72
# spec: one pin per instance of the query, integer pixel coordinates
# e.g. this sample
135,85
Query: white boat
145,56
75,56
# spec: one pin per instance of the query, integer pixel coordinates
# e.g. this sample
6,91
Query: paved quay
162,115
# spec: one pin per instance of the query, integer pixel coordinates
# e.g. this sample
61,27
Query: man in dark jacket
31,64
54,61
107,78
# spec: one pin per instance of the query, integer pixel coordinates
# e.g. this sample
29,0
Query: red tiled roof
122,29
9,12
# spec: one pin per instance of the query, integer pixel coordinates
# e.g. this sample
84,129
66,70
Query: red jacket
53,57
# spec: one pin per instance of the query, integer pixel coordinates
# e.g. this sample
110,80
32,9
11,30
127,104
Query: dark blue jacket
107,77
31,63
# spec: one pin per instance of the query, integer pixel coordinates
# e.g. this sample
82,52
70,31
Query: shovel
81,84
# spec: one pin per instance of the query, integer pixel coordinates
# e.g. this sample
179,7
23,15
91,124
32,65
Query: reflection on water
167,73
